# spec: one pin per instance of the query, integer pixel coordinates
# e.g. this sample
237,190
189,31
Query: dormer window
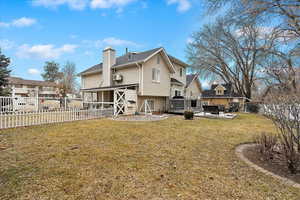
220,92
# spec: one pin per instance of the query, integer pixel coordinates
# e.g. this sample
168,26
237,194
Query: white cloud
21,22
189,40
110,41
6,44
73,4
205,84
88,53
183,5
47,51
109,3
82,4
33,71
73,36
4,24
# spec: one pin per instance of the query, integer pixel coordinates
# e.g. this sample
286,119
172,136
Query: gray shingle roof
20,81
130,57
229,92
174,80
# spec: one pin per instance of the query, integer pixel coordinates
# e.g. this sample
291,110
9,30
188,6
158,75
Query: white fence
22,118
8,104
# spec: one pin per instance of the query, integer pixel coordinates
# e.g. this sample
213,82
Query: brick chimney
109,59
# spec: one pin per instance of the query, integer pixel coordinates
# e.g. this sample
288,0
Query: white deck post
102,99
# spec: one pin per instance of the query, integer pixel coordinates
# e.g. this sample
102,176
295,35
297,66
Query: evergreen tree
51,71
4,74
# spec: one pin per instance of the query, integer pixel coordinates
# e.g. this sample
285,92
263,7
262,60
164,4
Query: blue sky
35,31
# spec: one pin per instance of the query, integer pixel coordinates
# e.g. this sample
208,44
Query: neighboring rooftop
229,91
21,81
190,78
130,57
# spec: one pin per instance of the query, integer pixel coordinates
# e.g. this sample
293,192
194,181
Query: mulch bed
275,165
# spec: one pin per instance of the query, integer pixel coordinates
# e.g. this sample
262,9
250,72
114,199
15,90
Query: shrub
284,111
267,143
188,115
234,107
252,107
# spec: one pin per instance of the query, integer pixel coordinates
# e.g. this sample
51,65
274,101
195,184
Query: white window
155,75
177,93
205,103
181,72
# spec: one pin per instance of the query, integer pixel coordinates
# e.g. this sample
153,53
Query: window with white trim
181,72
220,92
155,75
205,103
177,93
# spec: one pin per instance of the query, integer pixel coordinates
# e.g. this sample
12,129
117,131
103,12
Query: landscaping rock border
239,152
142,118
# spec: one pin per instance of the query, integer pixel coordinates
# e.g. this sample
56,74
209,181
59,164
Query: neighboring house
131,79
193,88
32,88
222,94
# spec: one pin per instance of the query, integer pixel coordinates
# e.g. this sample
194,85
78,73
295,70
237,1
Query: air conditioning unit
118,77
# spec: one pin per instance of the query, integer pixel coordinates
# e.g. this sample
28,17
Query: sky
35,31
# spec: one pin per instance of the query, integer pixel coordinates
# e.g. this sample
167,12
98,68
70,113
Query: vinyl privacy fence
23,118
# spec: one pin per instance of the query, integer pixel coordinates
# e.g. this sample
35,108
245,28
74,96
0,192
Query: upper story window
181,72
155,75
158,59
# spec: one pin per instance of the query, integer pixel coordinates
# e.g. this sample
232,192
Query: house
31,88
222,94
136,79
193,87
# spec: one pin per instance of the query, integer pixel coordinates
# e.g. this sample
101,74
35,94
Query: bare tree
288,11
235,53
68,82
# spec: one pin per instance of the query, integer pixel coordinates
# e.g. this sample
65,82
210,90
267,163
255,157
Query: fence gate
119,101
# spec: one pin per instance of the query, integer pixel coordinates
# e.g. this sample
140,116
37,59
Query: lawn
105,159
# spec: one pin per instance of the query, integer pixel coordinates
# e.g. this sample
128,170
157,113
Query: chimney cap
108,48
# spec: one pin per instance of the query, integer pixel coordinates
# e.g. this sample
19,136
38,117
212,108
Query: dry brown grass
106,159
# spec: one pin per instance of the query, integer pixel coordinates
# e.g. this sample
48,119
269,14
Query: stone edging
239,152
152,120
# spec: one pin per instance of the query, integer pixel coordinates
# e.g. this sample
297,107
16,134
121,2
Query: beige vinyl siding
130,75
153,88
194,89
159,103
177,76
92,80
